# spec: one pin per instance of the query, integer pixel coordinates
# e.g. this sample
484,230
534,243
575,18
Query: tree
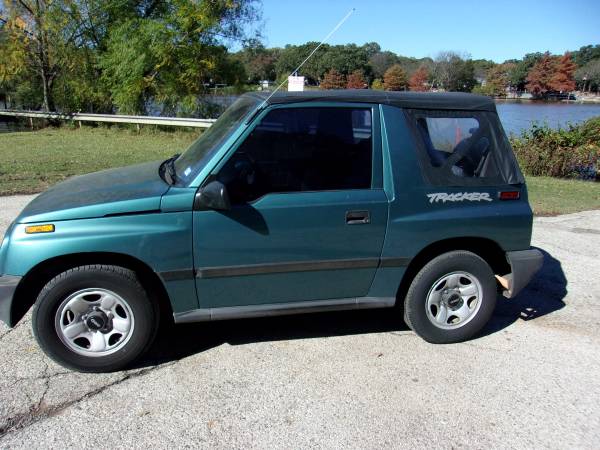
69,50
462,76
382,61
40,33
333,80
356,80
588,76
586,54
481,67
453,72
418,80
258,61
496,80
345,59
563,79
394,79
539,78
168,60
371,48
517,74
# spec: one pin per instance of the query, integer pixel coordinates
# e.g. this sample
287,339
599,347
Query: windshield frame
200,166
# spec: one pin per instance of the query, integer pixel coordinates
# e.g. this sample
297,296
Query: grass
32,161
550,196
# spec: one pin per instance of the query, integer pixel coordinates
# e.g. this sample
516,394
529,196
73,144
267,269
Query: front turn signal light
46,228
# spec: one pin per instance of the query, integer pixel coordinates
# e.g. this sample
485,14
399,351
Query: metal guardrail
112,118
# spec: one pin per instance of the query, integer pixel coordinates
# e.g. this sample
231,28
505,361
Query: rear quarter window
463,148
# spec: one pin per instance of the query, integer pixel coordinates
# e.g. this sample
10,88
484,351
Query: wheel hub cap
453,300
94,322
97,321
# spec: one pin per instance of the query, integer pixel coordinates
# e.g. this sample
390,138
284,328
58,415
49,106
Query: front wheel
94,318
452,298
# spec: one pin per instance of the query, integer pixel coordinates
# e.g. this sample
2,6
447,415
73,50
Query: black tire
115,279
415,304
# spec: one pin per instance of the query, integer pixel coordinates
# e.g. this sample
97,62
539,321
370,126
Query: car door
308,214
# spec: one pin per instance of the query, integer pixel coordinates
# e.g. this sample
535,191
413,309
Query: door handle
358,217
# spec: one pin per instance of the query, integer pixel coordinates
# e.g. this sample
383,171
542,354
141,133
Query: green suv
300,202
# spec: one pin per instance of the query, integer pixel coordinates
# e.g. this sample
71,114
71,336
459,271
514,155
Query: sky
496,30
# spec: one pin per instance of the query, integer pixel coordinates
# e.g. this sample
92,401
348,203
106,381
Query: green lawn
32,161
551,196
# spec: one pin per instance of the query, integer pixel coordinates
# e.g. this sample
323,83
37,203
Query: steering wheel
245,168
457,155
470,154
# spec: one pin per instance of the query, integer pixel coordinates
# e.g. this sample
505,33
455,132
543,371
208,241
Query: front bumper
524,265
8,285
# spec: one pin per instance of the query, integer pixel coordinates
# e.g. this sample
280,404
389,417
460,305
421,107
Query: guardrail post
31,123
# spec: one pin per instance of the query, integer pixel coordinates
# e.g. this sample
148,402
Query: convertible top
412,100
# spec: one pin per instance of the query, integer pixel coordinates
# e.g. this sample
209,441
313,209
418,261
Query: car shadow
543,296
179,341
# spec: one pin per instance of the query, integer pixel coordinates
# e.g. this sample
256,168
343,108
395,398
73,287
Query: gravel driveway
349,379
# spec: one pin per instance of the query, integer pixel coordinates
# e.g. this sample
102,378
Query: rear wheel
94,318
451,298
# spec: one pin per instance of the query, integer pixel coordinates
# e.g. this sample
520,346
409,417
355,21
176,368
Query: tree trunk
47,96
46,73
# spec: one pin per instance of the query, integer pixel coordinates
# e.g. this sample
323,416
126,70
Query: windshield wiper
168,169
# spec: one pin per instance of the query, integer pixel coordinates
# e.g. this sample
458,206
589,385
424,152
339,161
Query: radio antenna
340,23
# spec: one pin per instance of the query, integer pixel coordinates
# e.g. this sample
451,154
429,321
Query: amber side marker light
46,228
509,195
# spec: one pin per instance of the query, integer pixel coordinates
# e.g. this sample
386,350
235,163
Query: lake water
517,116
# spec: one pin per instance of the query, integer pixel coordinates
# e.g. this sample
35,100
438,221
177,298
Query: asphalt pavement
348,379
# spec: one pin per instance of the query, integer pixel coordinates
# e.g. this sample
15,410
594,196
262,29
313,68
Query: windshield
189,164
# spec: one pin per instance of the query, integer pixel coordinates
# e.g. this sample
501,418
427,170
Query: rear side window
302,149
462,148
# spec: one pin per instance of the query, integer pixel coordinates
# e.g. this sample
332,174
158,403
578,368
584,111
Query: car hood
116,191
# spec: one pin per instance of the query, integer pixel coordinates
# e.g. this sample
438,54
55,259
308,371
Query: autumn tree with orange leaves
394,79
418,80
552,74
356,80
333,80
563,79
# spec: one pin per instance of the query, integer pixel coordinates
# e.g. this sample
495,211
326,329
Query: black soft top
412,100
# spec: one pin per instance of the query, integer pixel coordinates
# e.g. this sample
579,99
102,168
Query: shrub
573,152
377,84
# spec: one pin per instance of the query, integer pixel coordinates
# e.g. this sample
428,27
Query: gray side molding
280,309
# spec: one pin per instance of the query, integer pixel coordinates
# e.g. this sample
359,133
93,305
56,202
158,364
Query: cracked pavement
350,379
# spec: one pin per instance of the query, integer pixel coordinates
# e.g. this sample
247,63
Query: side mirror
212,196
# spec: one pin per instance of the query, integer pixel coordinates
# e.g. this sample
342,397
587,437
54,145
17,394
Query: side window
302,149
458,146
